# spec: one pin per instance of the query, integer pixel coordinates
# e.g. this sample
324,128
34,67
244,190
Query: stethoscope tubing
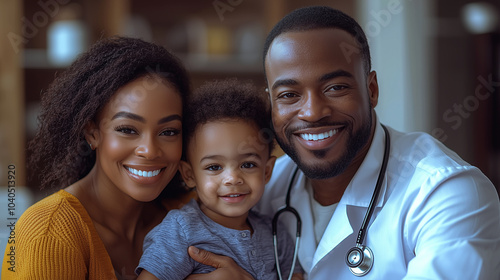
287,208
362,231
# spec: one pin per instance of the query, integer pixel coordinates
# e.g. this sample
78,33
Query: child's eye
214,167
170,132
125,130
248,165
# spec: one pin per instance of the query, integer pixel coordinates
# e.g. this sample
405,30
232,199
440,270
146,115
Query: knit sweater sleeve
47,257
55,239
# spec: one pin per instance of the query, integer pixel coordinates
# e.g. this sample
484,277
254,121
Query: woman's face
138,138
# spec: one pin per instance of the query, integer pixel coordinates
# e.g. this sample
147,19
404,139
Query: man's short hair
318,17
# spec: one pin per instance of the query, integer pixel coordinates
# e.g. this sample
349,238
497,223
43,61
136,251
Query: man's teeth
144,173
320,136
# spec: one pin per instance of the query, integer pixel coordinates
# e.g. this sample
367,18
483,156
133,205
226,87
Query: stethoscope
359,258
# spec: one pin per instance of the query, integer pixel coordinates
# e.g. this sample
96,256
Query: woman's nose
148,148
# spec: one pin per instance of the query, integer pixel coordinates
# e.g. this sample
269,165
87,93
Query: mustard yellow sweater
55,239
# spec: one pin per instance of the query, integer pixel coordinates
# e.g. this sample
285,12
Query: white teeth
320,136
234,195
144,173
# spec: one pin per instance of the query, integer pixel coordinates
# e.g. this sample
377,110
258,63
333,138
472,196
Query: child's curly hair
76,96
229,99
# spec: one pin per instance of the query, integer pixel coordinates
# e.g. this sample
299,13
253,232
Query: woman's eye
125,130
170,132
214,167
248,165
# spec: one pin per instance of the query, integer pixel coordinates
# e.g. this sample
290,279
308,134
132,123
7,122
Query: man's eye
336,88
287,95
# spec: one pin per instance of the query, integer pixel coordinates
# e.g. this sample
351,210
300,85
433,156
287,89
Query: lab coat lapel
360,190
358,194
299,199
337,230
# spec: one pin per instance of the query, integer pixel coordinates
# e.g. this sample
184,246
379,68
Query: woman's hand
226,268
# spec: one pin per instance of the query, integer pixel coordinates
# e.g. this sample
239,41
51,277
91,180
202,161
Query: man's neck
329,191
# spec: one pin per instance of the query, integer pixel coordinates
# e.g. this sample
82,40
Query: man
436,217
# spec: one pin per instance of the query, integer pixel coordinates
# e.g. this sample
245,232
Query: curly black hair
318,17
59,150
228,99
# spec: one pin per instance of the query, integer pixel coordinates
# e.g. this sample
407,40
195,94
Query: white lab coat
437,217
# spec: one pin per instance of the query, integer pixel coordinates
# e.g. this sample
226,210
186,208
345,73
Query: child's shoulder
188,213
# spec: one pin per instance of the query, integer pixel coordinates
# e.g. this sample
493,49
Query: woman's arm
226,268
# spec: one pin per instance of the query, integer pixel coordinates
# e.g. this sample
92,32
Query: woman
110,136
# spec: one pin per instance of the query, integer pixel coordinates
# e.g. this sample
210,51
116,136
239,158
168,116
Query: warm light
480,17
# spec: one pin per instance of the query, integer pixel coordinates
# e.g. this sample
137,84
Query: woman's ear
91,133
187,174
269,168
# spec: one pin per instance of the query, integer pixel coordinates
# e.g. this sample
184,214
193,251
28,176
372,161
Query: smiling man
373,202
436,216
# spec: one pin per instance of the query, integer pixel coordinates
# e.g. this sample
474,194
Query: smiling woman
135,139
110,136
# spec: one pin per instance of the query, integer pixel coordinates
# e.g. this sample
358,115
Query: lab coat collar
360,190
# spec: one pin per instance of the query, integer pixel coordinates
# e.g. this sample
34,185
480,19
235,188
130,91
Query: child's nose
233,177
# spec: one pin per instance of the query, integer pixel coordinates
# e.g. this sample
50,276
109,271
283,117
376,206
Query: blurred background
438,62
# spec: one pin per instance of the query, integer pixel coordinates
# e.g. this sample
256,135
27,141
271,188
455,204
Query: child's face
229,166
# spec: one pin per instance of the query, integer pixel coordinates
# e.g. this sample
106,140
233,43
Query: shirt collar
360,190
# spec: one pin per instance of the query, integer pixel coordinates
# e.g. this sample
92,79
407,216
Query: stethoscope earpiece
359,259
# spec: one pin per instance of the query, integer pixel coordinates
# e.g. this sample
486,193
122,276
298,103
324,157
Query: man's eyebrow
128,115
284,82
325,77
335,74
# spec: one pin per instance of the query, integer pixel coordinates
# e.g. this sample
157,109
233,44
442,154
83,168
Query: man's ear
187,174
269,168
91,133
372,86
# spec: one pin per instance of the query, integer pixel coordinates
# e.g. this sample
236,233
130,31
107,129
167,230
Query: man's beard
357,140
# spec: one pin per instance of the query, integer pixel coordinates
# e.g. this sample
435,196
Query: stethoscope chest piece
360,260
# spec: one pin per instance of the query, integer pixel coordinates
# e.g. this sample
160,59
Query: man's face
321,98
